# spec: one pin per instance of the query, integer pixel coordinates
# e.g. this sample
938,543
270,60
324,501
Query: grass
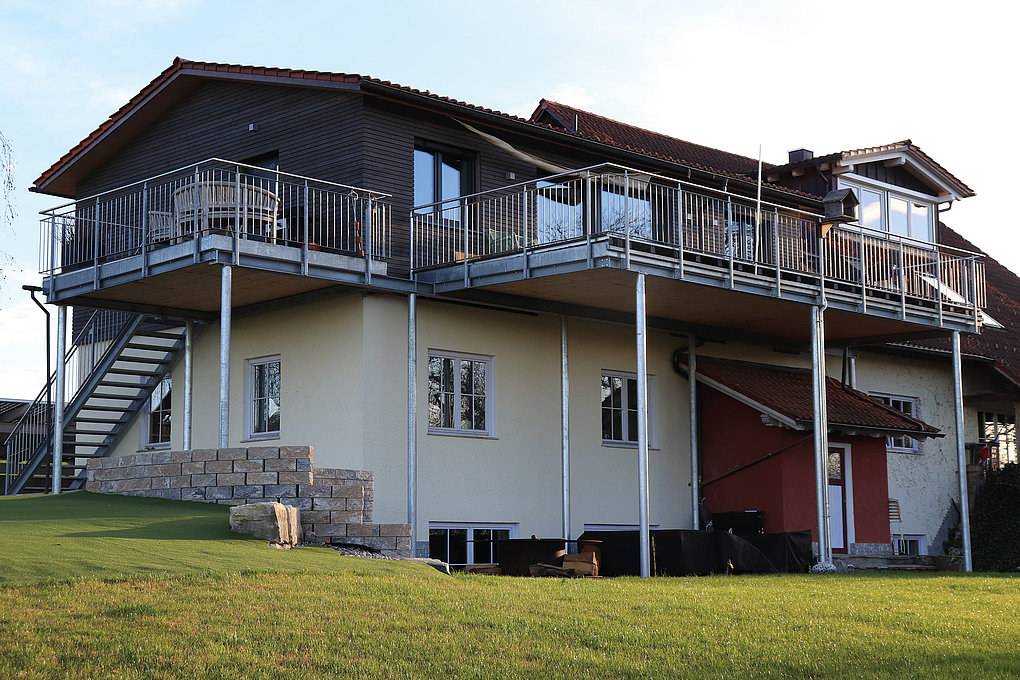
312,614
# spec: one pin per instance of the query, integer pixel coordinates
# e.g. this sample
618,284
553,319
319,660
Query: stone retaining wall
336,506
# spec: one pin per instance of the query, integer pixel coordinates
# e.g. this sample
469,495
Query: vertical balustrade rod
938,284
903,284
974,292
145,228
95,247
367,233
864,275
626,214
304,250
238,223
775,238
524,229
729,234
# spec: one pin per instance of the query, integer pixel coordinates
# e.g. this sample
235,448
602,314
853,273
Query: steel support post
412,416
820,436
692,380
642,433
189,334
58,399
224,357
565,425
961,452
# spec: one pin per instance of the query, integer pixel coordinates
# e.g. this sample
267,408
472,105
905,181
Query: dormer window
897,211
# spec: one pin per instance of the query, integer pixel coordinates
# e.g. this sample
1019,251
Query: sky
726,74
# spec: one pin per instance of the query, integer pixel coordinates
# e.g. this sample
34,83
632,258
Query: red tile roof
788,392
609,131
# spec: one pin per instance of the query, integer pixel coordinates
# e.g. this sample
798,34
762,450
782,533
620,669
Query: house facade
499,317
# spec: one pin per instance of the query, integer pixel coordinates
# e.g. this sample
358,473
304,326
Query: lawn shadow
167,530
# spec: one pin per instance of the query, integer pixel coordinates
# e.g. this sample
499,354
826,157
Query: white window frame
886,190
145,443
490,394
249,397
913,401
471,527
903,540
625,443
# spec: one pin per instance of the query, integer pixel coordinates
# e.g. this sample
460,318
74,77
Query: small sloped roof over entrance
785,396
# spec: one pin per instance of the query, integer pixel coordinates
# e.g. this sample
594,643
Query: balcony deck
573,242
711,259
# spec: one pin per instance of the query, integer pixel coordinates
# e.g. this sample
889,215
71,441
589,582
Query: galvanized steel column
961,452
692,379
412,416
224,356
642,433
820,436
565,425
189,330
58,399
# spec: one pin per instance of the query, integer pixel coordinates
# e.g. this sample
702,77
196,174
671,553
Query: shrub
995,523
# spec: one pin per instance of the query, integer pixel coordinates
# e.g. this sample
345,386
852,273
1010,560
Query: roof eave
951,188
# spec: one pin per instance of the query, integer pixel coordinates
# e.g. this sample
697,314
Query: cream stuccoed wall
320,349
924,482
515,475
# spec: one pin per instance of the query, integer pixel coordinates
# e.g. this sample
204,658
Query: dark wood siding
897,176
316,133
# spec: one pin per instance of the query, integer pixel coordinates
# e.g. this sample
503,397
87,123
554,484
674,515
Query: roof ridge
650,131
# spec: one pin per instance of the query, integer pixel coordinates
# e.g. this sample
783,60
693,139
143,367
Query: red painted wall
783,487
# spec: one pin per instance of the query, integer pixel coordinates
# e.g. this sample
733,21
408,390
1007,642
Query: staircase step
112,421
127,371
97,433
108,409
142,360
148,347
129,385
159,334
106,395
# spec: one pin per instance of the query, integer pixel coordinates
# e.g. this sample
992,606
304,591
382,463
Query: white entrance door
840,497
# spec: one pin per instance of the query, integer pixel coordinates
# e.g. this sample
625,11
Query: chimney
798,155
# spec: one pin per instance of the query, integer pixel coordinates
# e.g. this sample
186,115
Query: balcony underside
178,280
700,294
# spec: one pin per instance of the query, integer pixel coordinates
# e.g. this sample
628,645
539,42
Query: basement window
910,544
461,544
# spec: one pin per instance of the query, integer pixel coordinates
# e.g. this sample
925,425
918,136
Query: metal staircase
115,361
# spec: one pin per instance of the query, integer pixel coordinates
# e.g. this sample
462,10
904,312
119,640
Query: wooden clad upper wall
897,176
316,133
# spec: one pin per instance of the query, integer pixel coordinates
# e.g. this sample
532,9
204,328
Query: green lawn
309,613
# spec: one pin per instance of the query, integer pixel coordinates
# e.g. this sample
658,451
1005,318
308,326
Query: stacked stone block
336,506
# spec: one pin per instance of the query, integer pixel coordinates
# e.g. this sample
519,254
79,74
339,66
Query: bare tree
7,209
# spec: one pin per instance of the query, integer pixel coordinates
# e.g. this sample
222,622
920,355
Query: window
441,173
157,433
910,544
460,389
900,443
886,210
262,396
619,409
999,429
462,544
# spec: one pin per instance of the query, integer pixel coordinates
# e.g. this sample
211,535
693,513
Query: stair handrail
27,419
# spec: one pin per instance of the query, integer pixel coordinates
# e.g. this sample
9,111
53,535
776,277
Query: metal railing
214,197
35,427
608,199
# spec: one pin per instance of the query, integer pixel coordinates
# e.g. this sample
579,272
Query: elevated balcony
714,258
145,246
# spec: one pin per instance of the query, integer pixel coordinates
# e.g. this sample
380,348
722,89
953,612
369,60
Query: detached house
517,326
